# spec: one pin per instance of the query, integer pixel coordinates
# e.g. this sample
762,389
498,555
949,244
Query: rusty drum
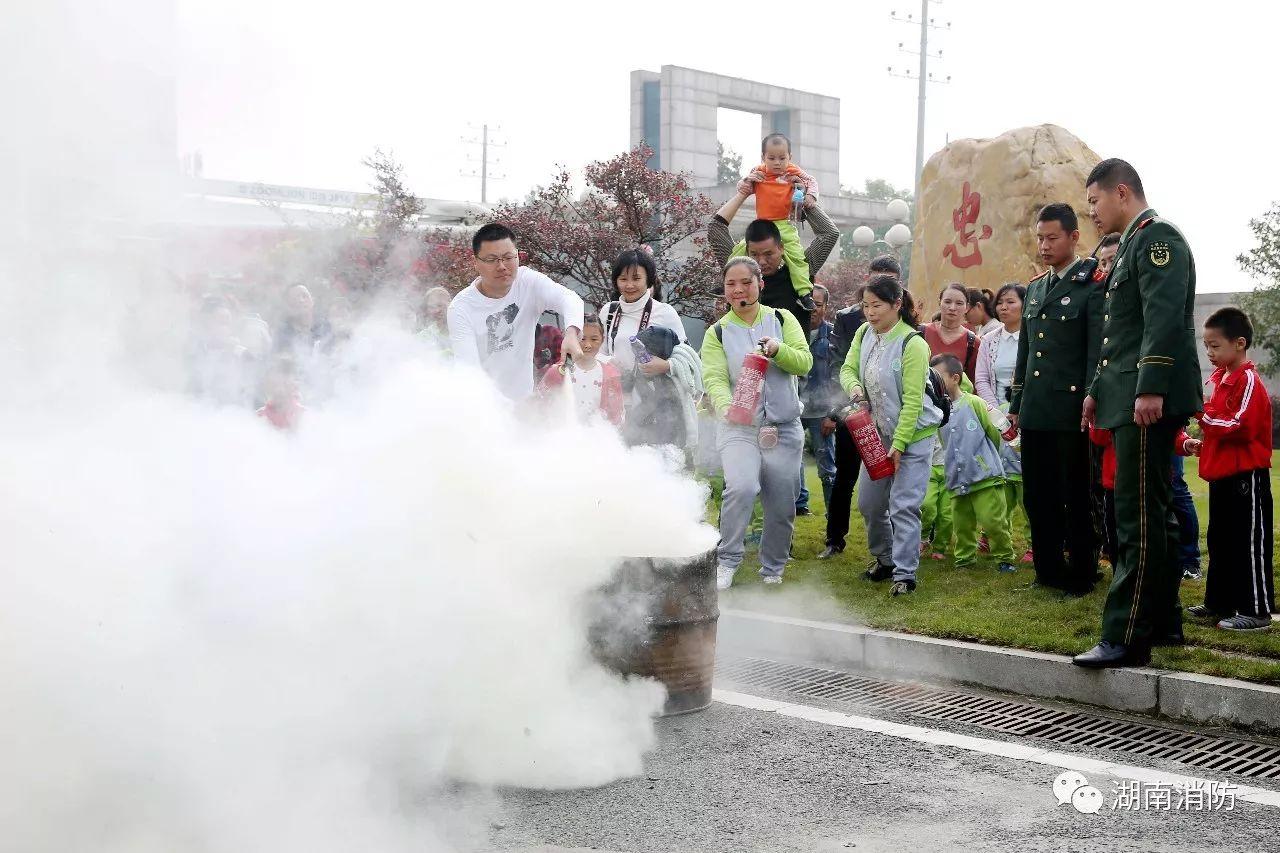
657,618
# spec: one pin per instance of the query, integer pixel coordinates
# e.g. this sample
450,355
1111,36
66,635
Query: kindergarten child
773,182
1235,455
597,385
935,516
974,473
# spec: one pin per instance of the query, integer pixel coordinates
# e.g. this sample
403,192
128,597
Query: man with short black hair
1057,351
493,320
764,246
1146,385
820,392
1106,254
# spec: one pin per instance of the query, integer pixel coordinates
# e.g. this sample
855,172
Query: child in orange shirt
774,183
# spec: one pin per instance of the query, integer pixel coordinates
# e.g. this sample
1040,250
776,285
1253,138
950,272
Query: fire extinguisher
857,419
746,393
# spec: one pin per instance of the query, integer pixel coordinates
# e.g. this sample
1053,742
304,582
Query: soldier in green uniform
1147,385
1057,355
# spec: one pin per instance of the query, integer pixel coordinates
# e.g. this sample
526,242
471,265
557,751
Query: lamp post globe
863,236
898,235
898,210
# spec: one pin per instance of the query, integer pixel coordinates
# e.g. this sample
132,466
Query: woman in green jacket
887,368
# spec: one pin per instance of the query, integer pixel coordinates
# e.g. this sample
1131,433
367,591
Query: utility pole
483,174
924,76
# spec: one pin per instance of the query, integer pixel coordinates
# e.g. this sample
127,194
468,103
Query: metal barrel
657,619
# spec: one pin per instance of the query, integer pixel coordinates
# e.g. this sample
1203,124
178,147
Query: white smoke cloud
217,636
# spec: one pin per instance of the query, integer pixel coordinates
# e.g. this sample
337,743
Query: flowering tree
843,278
575,238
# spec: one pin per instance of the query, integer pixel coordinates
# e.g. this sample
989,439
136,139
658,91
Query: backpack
933,385
935,388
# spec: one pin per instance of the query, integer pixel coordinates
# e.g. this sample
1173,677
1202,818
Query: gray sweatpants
891,509
750,471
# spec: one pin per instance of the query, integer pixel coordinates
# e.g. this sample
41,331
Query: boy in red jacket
1235,457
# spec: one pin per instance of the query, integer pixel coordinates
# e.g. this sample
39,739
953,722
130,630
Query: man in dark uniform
1057,354
1147,385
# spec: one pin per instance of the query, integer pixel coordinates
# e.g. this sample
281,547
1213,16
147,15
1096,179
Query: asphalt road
733,779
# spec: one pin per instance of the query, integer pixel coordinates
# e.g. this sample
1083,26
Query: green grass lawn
983,605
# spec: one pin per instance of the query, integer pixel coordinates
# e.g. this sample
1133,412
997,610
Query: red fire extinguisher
746,393
857,419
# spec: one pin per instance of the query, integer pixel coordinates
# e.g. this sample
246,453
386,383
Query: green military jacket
1148,333
1057,348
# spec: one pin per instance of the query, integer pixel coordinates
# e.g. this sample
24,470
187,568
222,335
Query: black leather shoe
1170,638
1107,654
829,552
803,510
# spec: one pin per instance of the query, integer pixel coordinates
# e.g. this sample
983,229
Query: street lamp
898,210
863,236
898,235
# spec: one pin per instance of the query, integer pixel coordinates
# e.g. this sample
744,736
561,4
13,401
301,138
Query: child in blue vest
974,472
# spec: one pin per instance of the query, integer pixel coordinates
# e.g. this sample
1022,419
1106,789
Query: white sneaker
724,576
772,579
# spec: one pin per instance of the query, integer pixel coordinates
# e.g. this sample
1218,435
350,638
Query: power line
485,143
924,75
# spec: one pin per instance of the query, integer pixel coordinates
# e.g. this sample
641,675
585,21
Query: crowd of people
1065,398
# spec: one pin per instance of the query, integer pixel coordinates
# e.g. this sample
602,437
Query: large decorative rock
975,220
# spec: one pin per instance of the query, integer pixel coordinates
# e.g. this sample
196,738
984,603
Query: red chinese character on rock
964,251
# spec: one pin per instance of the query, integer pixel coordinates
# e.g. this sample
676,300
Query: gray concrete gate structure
674,112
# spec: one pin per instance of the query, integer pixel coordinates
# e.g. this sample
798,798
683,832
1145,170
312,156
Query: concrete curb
1179,695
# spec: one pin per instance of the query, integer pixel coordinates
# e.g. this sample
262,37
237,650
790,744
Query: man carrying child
772,240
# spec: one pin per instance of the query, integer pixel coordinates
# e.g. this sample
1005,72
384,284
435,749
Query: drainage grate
1223,755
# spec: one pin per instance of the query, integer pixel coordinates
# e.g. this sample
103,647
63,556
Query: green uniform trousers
1142,603
1013,499
935,515
987,509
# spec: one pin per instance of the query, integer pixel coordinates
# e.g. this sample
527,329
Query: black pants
1240,540
1055,493
848,461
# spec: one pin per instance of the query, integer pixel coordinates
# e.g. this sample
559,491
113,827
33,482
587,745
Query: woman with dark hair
981,316
888,369
948,336
760,458
661,393
997,358
637,304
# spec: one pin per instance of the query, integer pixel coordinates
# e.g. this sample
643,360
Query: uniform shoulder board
1036,278
1085,273
1144,223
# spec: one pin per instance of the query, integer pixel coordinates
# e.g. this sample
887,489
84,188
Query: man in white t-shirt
493,320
